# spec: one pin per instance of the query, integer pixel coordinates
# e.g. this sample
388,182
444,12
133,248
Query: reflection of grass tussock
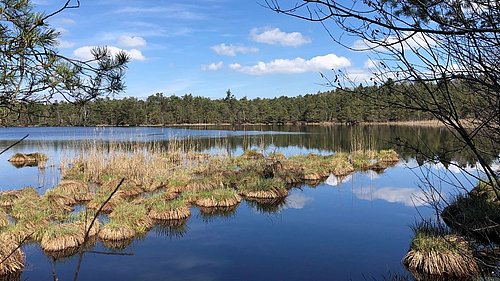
117,244
11,255
435,253
264,188
170,228
222,197
210,213
267,206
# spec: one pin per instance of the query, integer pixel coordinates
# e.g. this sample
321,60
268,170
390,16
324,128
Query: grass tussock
116,231
435,253
61,237
11,255
222,197
176,209
474,215
29,159
160,185
135,216
78,190
4,220
264,188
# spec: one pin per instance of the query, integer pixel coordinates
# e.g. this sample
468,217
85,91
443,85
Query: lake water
355,230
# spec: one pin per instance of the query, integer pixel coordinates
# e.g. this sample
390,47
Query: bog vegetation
160,187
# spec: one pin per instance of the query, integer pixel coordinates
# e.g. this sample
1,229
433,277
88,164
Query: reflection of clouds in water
297,201
334,181
372,174
185,263
454,166
406,196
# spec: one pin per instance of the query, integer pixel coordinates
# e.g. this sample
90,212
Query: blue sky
205,47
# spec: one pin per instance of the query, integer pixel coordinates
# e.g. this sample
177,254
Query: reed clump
435,253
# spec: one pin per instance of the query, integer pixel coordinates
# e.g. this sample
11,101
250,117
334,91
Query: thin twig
14,144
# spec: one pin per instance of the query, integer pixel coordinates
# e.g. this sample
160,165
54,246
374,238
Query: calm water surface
354,230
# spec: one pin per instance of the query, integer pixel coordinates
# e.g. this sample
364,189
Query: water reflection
333,180
406,196
267,206
297,201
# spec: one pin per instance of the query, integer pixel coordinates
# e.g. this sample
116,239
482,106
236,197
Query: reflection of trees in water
409,142
267,206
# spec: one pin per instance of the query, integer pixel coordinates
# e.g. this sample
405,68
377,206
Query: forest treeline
362,104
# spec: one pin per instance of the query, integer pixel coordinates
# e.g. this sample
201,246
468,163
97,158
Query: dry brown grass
438,256
29,159
114,231
11,255
61,237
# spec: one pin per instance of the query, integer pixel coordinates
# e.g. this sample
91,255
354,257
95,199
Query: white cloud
85,53
412,41
62,30
131,41
370,63
173,11
213,66
231,50
297,65
65,44
275,36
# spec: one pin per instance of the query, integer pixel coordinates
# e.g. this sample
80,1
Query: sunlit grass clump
435,253
264,188
116,231
221,197
135,216
62,236
161,209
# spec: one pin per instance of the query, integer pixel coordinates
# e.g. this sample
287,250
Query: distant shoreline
410,123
